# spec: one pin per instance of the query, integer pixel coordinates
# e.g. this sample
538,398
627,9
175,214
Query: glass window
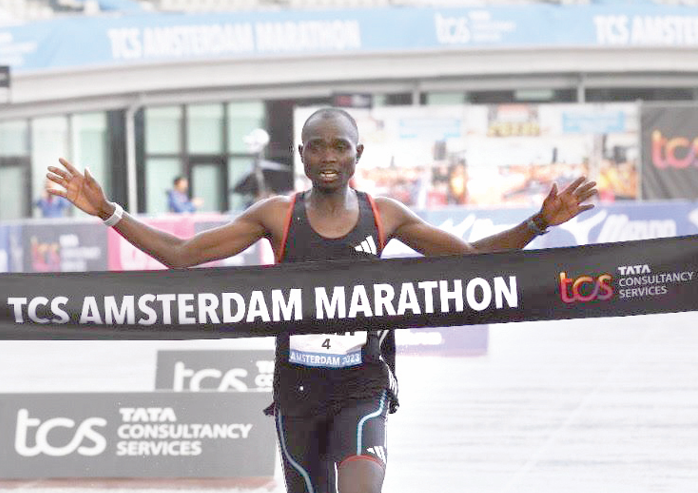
50,138
159,174
91,146
635,93
14,138
205,129
238,168
397,99
243,117
163,130
491,97
12,193
546,95
444,98
523,95
206,186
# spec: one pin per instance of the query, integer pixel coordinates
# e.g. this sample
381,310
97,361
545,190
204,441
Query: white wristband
115,217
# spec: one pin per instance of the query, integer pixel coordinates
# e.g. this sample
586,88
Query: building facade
142,98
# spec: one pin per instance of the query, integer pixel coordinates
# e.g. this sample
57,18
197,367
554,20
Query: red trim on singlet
379,222
362,457
287,227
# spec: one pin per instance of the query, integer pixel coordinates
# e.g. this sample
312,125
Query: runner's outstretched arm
557,208
86,194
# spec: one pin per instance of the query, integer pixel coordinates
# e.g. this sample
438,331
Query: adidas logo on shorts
367,246
379,452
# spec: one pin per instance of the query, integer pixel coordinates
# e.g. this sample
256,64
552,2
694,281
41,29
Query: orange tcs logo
585,288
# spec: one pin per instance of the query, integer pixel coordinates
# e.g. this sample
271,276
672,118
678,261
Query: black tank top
319,373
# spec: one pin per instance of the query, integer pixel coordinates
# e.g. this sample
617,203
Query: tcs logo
451,30
44,443
678,153
585,288
232,379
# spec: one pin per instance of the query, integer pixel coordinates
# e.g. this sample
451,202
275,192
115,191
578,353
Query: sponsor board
669,152
220,370
135,435
64,246
605,223
158,37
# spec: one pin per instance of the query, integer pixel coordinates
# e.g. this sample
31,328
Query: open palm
82,190
561,207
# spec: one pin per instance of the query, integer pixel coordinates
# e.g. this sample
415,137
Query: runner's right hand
82,190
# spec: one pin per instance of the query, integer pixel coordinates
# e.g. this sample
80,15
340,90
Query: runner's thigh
303,447
360,430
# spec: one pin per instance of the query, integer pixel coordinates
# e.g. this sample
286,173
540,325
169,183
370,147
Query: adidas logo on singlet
367,246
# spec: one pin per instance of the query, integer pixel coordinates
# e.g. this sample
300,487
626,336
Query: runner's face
330,152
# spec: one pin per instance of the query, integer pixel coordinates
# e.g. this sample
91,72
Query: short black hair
178,178
331,112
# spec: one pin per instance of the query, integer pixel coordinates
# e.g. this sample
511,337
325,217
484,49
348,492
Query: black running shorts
313,447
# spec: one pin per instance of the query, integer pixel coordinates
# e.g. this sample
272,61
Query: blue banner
603,121
606,223
161,37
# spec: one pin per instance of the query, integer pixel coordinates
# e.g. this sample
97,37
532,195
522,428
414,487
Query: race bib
328,350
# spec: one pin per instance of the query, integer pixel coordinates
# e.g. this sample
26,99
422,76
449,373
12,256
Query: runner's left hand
561,207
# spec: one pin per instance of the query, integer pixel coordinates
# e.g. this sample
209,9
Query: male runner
331,419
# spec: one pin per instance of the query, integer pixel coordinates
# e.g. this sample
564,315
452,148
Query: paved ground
603,406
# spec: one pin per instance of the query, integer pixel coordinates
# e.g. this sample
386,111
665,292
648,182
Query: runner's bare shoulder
271,212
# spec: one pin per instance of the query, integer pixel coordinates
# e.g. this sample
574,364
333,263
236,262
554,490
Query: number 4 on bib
326,344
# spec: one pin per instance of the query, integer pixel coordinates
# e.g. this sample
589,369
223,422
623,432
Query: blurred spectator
178,198
457,184
617,181
51,205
